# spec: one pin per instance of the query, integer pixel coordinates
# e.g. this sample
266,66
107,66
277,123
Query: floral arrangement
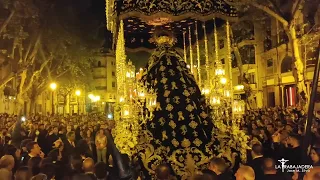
231,137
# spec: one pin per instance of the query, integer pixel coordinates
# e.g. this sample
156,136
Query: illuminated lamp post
78,93
53,87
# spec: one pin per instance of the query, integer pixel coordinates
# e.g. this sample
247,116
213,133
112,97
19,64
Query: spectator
257,160
34,165
101,144
23,173
315,154
34,150
6,166
100,171
163,172
88,167
219,169
48,170
245,173
270,173
69,144
312,174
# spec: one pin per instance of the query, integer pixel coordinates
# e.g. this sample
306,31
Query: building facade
104,83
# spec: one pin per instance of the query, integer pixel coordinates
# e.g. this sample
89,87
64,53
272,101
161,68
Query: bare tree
286,12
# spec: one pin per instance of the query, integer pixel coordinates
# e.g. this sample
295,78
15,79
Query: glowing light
110,116
220,72
78,92
223,80
91,96
23,119
239,87
227,93
205,91
128,75
188,66
53,86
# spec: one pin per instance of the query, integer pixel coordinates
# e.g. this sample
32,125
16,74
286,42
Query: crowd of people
76,147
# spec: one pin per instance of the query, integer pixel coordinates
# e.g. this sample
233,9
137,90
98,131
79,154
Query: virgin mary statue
180,132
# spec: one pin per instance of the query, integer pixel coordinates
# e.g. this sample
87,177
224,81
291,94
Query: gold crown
163,38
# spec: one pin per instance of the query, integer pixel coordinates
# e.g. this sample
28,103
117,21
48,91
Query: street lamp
53,87
78,93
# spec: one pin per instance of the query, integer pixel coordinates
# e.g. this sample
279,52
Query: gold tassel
184,46
191,52
198,55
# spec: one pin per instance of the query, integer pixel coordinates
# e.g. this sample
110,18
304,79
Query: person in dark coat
69,144
257,160
218,169
52,137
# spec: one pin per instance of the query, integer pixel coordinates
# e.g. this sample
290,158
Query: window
269,62
113,73
286,64
99,63
112,63
221,44
113,84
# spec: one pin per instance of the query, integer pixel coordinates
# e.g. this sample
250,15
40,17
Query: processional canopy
140,17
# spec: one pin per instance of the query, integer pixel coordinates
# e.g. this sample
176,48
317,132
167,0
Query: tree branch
276,8
35,49
35,74
7,79
5,24
246,43
23,79
270,12
295,8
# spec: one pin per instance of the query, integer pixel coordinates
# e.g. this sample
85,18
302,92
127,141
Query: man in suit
257,160
88,167
69,144
218,169
34,150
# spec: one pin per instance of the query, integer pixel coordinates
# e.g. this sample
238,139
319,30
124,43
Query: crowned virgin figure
180,131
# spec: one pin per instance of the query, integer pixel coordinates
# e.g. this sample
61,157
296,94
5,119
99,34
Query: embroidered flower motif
172,124
193,124
166,93
186,93
185,143
189,108
175,143
164,80
169,107
197,142
162,68
180,114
